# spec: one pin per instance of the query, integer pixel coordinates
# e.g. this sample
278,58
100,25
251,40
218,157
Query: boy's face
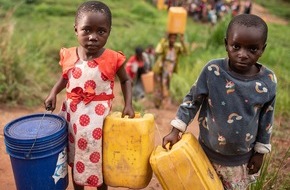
245,45
92,31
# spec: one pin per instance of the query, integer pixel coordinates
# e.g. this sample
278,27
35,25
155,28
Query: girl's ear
75,28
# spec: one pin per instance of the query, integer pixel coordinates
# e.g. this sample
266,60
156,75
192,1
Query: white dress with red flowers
89,96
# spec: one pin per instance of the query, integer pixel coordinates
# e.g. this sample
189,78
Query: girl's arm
50,101
126,86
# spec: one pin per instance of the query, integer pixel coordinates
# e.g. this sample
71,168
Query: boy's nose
243,53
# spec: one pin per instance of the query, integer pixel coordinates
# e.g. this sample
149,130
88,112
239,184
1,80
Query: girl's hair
93,6
249,20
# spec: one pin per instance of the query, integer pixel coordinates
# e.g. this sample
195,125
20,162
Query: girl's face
92,31
245,45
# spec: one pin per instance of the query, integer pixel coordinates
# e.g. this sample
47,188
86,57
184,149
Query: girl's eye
101,32
86,30
235,47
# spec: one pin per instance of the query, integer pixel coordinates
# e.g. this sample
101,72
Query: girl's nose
92,36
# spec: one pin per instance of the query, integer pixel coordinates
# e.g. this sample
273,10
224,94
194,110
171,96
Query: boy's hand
128,110
171,138
255,163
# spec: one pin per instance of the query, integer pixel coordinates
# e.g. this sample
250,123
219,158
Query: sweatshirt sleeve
191,103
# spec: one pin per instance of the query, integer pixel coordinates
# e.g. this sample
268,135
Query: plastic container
161,5
148,81
127,146
176,20
37,148
185,166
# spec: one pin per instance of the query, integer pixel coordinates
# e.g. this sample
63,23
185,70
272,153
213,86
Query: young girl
88,74
236,97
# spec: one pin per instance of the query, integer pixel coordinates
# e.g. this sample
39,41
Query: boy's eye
101,32
253,49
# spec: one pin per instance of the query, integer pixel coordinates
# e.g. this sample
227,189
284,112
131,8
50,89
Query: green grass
32,34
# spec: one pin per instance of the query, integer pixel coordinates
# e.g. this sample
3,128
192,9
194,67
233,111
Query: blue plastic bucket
37,147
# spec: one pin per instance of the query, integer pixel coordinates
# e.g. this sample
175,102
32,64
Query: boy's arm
126,86
185,114
50,101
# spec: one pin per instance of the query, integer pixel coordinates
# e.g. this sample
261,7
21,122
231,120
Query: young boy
236,97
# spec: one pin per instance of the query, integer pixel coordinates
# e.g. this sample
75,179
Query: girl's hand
255,163
171,138
50,103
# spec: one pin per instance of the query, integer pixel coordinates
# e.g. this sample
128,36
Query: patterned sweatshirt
236,112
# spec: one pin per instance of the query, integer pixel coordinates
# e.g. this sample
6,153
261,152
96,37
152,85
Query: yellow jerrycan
184,167
148,81
176,20
127,146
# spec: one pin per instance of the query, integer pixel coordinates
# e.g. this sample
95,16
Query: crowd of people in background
211,10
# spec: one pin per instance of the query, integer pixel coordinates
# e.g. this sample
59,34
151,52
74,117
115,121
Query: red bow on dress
78,94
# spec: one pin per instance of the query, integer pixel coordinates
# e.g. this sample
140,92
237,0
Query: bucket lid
30,127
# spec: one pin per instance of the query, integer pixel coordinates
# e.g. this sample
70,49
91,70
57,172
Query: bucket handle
28,155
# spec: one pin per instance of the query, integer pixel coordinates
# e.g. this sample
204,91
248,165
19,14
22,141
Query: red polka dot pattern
80,167
82,143
100,109
71,138
76,72
112,85
84,120
92,64
93,180
75,128
90,83
68,117
104,77
63,107
97,133
95,157
73,107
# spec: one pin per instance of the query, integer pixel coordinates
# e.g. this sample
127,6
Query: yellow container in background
127,146
161,4
185,166
176,20
148,81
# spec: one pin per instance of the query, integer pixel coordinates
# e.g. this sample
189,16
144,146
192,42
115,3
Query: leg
76,186
103,187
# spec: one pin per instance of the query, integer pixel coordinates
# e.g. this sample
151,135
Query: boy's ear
226,43
264,47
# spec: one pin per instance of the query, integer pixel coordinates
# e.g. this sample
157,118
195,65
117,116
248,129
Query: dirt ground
162,119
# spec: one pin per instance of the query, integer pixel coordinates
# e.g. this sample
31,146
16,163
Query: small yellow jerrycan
176,20
184,167
127,146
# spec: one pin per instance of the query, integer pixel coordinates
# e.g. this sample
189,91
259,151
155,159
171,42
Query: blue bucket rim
57,131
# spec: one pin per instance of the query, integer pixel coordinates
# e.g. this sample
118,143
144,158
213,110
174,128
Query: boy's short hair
249,20
93,6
